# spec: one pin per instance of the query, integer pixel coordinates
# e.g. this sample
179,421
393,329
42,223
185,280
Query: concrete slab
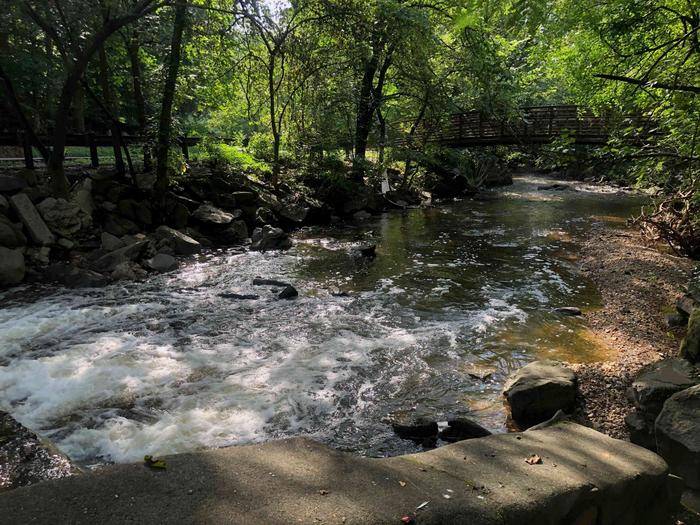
584,477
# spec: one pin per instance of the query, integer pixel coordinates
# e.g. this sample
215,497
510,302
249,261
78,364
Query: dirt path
638,285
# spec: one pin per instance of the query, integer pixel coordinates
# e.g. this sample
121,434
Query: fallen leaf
407,519
534,460
402,483
152,462
422,505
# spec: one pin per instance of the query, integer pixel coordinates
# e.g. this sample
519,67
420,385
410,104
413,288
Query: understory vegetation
348,93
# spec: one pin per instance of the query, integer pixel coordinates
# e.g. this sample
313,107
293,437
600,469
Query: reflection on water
457,297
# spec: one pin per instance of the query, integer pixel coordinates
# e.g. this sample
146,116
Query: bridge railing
92,142
539,124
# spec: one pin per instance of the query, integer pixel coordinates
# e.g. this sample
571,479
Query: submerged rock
239,296
537,391
289,292
74,277
25,458
270,238
259,281
368,250
555,187
678,435
162,263
418,429
461,429
570,311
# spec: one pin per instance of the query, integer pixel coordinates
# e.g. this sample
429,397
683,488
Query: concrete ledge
585,477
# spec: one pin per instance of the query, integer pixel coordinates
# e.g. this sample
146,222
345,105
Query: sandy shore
639,286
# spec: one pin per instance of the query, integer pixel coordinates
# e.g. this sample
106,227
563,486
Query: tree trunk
165,120
74,73
110,105
79,110
133,47
57,177
365,112
19,114
382,151
273,122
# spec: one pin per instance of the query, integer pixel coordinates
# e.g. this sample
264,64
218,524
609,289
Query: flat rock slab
31,219
483,481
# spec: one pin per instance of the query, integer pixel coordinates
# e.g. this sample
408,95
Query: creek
458,296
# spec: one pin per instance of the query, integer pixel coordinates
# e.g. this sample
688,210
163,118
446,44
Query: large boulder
270,238
74,277
678,435
65,217
180,243
659,381
120,226
9,183
145,180
295,214
177,214
537,391
234,233
209,214
111,242
10,235
28,214
12,267
162,262
690,347
137,211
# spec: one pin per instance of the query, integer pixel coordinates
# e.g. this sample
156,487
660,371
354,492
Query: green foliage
236,158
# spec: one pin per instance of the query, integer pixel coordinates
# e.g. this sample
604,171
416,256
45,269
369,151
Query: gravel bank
639,285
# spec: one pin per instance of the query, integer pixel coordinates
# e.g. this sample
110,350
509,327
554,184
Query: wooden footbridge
533,125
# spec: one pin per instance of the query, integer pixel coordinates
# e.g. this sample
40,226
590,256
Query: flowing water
457,297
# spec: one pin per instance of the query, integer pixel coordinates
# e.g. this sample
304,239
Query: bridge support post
94,158
185,148
26,150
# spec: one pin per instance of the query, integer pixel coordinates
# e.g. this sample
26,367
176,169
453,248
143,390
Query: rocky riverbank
110,228
639,285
